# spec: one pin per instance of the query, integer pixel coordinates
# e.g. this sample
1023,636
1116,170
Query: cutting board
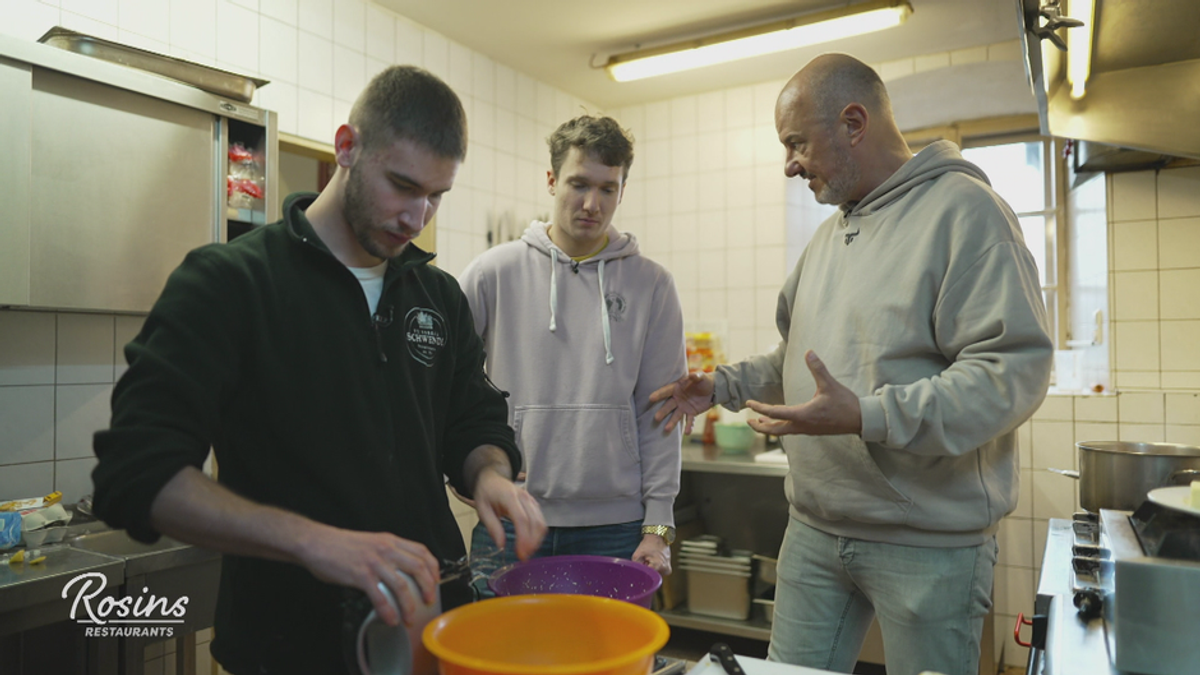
755,667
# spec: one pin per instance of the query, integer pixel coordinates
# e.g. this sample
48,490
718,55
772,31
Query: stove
1120,593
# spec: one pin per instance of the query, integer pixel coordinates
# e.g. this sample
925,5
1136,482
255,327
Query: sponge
1195,501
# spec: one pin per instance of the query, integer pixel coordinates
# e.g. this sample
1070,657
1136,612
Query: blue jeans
618,541
930,602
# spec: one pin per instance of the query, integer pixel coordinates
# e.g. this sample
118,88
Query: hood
1141,93
937,158
620,245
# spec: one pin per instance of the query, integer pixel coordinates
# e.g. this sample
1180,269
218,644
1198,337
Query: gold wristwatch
665,531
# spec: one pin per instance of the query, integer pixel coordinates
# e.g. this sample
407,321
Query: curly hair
600,137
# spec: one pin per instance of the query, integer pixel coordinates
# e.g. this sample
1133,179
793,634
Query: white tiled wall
56,378
1154,276
1155,271
706,199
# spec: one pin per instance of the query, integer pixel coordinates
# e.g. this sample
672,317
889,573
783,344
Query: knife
722,654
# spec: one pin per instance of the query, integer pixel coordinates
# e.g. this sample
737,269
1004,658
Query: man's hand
196,509
495,496
363,559
834,409
655,552
686,398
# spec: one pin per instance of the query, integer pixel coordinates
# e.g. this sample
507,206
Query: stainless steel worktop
712,459
33,595
25,588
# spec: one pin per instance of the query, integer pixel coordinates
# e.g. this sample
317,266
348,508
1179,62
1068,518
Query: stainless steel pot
1118,474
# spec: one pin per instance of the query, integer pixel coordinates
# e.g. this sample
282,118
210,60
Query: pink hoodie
581,346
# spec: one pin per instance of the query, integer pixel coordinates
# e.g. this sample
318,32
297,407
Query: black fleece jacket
265,350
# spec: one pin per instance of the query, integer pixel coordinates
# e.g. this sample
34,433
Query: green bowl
734,437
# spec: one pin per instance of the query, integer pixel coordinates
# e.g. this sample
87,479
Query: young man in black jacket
338,378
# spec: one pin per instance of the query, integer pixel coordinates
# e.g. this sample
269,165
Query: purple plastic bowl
578,575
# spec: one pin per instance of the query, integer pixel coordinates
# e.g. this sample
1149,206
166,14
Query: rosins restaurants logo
142,615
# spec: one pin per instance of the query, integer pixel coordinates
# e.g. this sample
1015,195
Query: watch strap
665,531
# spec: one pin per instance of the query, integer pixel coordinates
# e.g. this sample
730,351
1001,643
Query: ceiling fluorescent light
1079,43
778,36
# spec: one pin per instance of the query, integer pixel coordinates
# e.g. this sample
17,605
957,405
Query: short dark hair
406,102
599,136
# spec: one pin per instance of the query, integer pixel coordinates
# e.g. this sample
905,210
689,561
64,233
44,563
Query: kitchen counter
37,597
32,595
36,603
712,459
754,666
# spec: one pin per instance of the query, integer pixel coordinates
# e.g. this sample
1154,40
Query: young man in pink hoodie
581,328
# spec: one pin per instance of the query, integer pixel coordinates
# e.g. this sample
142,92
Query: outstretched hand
685,399
834,409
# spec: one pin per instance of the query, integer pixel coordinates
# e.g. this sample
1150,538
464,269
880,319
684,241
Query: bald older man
924,305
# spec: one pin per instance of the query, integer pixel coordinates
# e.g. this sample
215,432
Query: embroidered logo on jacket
425,332
616,306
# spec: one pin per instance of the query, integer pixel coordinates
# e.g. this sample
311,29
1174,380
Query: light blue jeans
618,541
930,602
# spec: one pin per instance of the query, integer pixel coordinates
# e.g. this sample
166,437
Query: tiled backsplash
1154,275
56,377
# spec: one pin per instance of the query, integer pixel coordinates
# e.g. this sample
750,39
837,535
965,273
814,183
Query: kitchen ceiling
556,42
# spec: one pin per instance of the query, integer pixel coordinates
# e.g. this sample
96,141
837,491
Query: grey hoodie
923,300
580,347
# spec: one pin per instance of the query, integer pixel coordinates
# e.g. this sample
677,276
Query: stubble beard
840,181
357,209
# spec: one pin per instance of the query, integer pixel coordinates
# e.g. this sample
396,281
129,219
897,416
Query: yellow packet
32,503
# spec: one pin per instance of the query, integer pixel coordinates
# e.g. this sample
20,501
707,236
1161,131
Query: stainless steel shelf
246,216
711,459
755,628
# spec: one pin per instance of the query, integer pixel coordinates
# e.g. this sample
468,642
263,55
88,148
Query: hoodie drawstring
553,287
608,357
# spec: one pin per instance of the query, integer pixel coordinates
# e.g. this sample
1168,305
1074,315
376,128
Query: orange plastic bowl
546,635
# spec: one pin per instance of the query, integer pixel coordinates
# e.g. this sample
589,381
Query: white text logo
144,615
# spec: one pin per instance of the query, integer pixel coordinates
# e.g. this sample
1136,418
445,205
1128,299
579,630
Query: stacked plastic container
718,580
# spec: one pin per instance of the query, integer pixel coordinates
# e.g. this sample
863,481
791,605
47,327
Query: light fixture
1079,56
800,31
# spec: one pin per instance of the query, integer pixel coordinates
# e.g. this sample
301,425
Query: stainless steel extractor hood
1143,92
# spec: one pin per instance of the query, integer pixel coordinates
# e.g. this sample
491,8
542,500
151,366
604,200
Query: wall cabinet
111,176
